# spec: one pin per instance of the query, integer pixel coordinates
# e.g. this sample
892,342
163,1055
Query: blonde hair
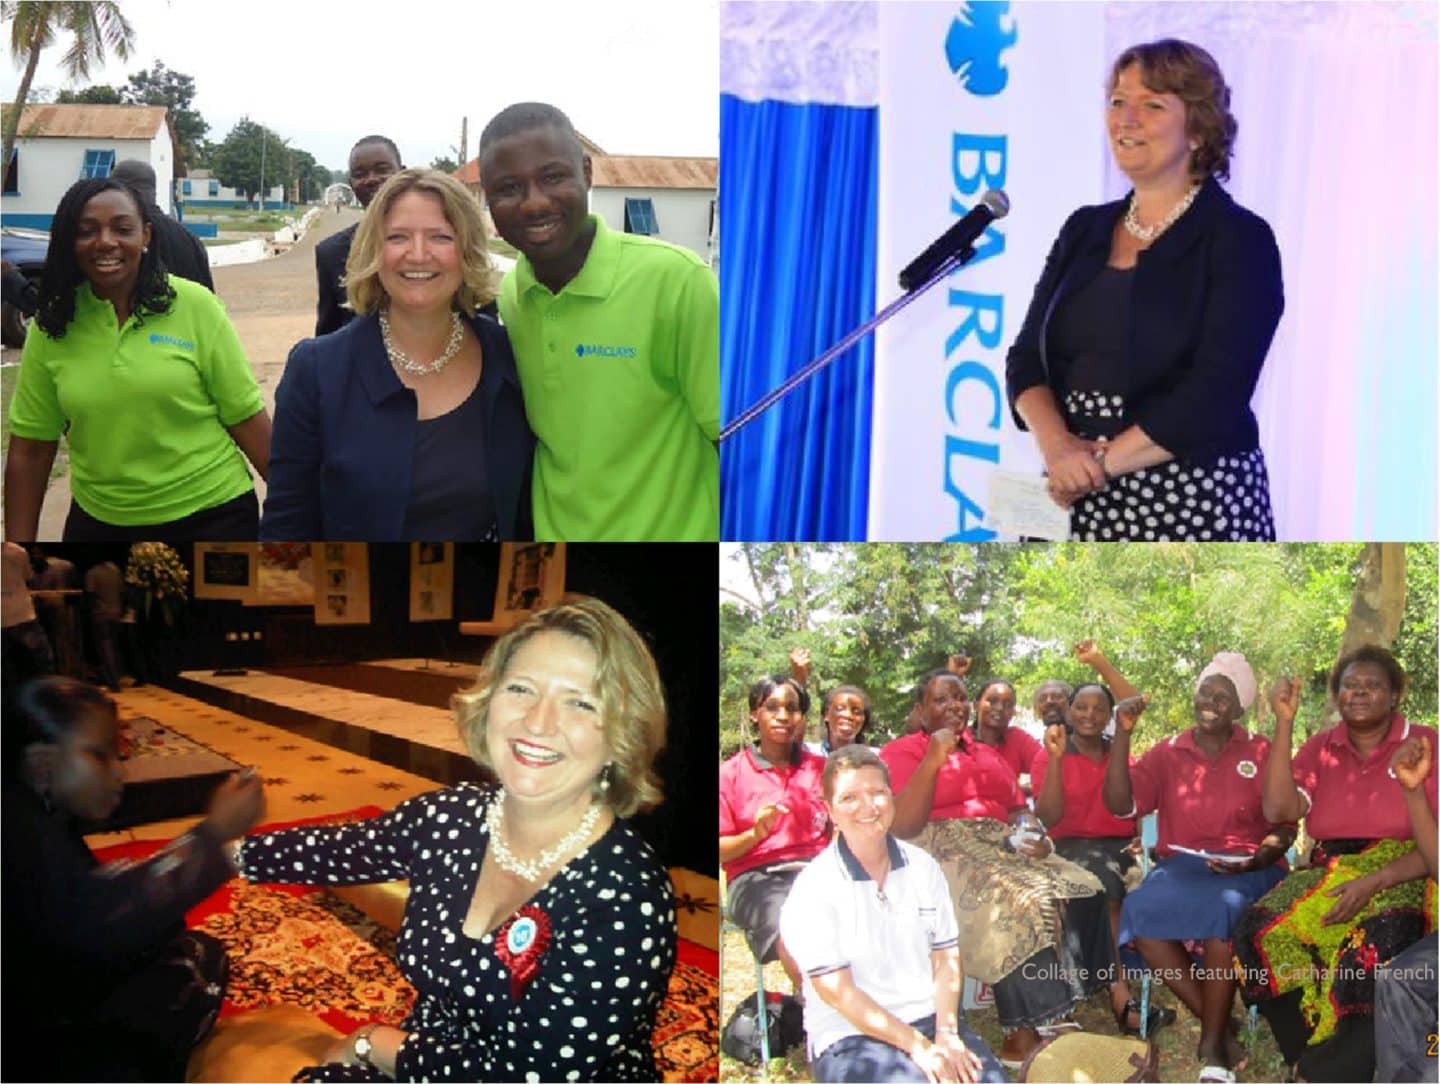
480,278
632,700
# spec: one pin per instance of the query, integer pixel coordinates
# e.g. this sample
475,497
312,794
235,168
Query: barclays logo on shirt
595,350
183,344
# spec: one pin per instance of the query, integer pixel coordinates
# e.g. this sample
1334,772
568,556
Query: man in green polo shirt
616,337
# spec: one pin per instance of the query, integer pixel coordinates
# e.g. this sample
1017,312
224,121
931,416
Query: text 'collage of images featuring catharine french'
458,626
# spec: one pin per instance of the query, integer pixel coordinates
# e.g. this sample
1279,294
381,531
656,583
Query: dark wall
668,591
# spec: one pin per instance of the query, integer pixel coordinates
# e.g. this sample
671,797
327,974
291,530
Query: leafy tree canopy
174,90
100,94
880,615
445,164
249,148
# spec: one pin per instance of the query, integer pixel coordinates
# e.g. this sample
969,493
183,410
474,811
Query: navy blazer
1205,300
342,452
330,257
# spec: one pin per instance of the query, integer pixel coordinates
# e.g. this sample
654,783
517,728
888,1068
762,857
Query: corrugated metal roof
91,121
637,171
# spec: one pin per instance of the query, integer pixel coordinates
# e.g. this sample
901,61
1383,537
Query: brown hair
632,700
849,758
480,279
1171,66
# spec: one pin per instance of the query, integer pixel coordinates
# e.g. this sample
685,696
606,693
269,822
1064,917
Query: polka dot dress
1227,500
588,1011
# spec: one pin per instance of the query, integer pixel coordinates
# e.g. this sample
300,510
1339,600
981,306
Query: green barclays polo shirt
621,376
147,406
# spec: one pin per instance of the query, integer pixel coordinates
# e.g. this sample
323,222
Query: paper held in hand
1020,505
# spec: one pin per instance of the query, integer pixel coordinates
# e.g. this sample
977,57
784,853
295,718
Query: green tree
174,90
246,151
100,94
878,616
94,30
445,164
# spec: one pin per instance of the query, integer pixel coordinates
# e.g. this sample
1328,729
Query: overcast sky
635,76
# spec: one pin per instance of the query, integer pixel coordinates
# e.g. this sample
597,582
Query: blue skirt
1181,900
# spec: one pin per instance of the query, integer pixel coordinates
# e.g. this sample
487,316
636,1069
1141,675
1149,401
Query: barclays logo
975,42
592,350
183,344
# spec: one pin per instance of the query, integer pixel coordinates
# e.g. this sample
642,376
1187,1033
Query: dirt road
272,304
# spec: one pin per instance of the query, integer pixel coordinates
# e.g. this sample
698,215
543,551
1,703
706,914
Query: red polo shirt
1351,798
1018,750
1206,805
748,781
1083,781
974,781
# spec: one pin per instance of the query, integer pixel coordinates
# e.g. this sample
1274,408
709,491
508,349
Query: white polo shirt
835,918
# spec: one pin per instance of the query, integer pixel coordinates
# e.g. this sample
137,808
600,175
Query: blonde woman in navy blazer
1143,344
408,422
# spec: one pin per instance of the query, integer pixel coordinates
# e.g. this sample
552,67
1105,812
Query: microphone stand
799,377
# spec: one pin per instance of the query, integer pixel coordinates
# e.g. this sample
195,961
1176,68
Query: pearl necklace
1149,233
536,869
402,360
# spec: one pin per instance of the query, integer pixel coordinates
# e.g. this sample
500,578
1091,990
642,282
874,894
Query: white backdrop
1337,151
941,422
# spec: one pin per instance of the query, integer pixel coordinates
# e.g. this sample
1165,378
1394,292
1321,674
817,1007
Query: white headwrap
1233,665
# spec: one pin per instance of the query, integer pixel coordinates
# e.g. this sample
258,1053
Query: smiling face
1366,698
996,707
371,165
545,736
110,238
1217,705
1147,131
844,716
778,719
862,807
1051,700
537,183
85,781
946,704
420,262
1089,712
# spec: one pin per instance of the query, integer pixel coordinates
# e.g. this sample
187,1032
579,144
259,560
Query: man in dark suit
180,250
373,160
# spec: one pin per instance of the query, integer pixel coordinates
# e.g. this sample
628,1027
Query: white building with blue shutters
57,145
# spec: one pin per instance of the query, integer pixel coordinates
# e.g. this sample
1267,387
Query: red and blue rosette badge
520,943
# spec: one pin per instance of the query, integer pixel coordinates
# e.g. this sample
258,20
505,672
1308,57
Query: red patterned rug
303,946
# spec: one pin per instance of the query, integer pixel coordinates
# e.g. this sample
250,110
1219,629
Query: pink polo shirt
748,782
974,781
1018,750
1206,805
1083,782
1351,798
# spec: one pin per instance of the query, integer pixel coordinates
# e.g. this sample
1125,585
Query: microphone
956,240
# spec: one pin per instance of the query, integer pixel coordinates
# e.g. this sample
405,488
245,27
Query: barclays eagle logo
975,42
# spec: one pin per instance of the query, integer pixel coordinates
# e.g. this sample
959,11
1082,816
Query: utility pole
464,131
262,168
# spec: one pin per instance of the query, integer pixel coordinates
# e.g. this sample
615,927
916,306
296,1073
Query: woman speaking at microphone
1144,341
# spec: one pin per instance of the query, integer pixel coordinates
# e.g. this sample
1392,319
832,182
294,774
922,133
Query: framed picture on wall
532,576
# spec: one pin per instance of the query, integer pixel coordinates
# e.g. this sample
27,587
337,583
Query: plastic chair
1149,836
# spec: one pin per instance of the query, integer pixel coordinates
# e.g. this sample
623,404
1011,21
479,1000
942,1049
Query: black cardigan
1205,301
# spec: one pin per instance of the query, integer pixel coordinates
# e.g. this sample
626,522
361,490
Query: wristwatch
362,1047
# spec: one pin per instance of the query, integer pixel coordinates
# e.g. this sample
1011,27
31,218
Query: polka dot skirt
1227,500
588,1011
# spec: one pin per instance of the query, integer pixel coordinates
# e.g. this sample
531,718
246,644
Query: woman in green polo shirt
145,376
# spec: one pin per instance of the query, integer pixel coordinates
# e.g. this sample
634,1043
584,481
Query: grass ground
9,374
1176,1043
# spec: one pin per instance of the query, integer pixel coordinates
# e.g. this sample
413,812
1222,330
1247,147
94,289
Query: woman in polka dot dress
1145,339
540,928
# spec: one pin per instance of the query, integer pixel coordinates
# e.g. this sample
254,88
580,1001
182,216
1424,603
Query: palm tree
94,28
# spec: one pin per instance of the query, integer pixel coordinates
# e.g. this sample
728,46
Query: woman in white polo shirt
871,925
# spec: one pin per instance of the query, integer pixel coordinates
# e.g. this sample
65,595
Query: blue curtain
797,271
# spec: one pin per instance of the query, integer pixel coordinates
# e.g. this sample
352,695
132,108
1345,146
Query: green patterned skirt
1281,946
